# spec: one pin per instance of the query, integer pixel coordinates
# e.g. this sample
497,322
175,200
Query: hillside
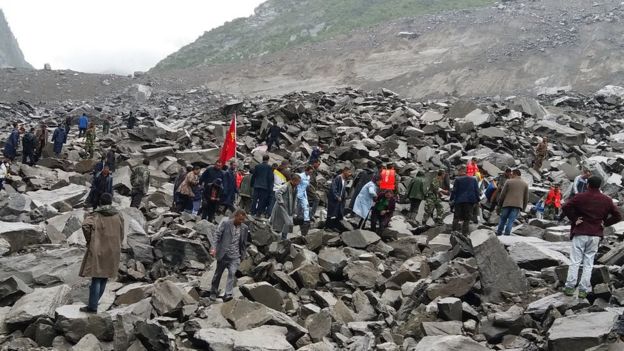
10,53
281,24
510,48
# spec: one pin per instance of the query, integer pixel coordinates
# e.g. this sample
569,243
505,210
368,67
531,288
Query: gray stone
442,328
74,325
88,343
42,302
264,293
450,309
557,300
492,132
362,274
333,260
580,332
477,117
45,267
558,132
269,338
178,250
449,343
20,234
154,336
168,297
11,290
359,239
71,194
318,325
536,257
498,272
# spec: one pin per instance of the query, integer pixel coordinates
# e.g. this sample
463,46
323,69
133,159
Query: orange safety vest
472,169
553,198
387,181
239,179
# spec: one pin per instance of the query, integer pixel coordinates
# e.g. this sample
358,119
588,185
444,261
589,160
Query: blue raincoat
10,147
58,138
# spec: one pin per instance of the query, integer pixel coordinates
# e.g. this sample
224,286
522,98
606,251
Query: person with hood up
103,230
10,146
282,215
83,124
131,121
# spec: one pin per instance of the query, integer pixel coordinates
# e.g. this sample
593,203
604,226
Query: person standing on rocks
186,189
500,183
279,179
580,183
69,120
10,147
282,215
382,211
273,136
111,159
245,191
90,140
59,137
230,190
131,121
262,184
388,178
365,200
315,155
106,124
363,177
102,184
302,198
229,246
28,147
211,198
83,124
552,205
103,230
177,201
416,193
464,197
336,200
472,169
212,173
513,198
433,200
312,190
541,152
41,135
589,213
140,181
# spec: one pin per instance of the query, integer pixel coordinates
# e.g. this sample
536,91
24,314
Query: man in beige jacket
104,231
512,200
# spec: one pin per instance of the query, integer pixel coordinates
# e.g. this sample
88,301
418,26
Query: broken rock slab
536,257
74,325
268,337
12,289
449,343
42,302
359,239
71,194
498,271
264,293
20,234
580,332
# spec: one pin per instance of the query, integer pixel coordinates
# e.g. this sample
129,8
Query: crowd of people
287,196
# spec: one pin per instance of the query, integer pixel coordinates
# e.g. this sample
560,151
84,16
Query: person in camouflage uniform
90,140
140,180
106,124
432,199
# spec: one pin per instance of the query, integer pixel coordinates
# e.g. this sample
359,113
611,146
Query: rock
168,298
580,332
42,331
442,328
558,132
74,325
15,204
431,116
269,338
71,194
333,260
477,117
140,93
121,180
492,132
264,293
88,343
318,325
450,309
498,272
180,251
362,274
42,302
11,290
449,343
536,257
20,234
558,301
44,268
154,336
359,239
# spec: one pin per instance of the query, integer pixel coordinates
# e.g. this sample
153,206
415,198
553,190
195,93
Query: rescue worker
552,205
433,201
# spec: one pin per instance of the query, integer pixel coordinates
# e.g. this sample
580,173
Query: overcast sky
113,36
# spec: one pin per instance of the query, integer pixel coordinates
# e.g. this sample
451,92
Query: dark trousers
187,202
272,141
313,202
260,201
82,132
269,209
137,197
1,184
463,213
96,290
28,157
245,203
209,209
335,223
232,267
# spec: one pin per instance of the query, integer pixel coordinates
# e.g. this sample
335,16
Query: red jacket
553,198
472,169
596,211
388,179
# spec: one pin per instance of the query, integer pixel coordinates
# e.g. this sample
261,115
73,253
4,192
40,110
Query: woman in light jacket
365,200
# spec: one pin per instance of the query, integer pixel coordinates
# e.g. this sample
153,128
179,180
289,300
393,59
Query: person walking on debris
580,183
28,145
186,189
472,169
102,183
90,140
177,200
464,197
312,190
362,178
282,215
273,136
541,152
513,198
280,177
228,196
4,172
106,124
111,159
103,230
315,155
41,137
69,120
589,213
10,146
212,173
433,200
500,183
387,180
59,137
415,194
211,198
365,200
552,205
245,192
229,246
336,200
140,181
382,210
83,124
262,184
131,121
302,198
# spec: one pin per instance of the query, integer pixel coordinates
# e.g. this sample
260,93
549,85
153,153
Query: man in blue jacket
464,196
83,124
10,147
262,184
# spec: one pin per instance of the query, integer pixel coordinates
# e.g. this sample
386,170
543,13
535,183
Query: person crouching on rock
104,231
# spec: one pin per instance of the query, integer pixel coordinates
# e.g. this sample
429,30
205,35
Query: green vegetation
280,24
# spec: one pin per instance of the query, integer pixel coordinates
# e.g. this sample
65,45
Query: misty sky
113,36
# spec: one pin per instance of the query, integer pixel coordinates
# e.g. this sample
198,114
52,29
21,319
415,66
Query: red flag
229,144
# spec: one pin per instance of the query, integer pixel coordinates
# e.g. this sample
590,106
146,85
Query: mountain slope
515,48
280,24
10,53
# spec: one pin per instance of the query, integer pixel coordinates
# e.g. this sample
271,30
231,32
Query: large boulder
559,132
44,267
12,289
74,324
449,343
71,194
42,302
498,272
264,293
121,180
580,332
167,297
179,251
20,234
359,239
534,257
268,337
